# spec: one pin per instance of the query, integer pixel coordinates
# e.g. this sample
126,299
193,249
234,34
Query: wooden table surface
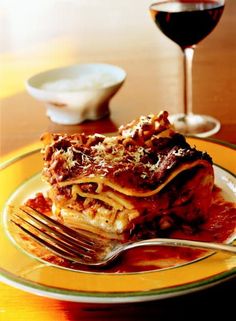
36,37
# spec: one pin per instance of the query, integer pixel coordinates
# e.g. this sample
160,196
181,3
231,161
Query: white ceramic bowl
78,92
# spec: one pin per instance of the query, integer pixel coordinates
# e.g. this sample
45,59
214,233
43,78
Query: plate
29,274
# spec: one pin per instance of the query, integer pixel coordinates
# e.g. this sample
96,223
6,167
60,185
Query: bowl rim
29,86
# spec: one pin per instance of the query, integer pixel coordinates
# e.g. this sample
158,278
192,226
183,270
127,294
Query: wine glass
187,22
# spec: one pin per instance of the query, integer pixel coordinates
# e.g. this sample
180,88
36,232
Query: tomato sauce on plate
219,227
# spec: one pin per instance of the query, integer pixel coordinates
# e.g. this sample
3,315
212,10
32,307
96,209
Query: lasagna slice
144,181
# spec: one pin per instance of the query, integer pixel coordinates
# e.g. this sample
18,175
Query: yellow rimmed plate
24,272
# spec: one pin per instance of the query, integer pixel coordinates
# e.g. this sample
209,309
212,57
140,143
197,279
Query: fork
85,247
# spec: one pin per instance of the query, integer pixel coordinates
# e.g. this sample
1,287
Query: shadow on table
214,303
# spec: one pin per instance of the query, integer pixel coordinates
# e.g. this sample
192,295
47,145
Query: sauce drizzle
220,226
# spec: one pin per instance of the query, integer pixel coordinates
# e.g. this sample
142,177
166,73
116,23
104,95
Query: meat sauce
219,226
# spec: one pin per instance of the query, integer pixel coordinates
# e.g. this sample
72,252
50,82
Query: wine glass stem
188,60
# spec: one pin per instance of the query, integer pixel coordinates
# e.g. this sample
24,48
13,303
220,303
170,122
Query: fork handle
184,243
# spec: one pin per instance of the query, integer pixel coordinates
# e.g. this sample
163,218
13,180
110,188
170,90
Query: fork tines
71,244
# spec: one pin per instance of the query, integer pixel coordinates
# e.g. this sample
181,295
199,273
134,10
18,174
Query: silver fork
85,247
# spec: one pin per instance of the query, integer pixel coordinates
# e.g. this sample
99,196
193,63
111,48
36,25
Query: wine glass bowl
187,22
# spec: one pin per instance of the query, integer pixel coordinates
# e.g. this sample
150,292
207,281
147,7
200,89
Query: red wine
187,23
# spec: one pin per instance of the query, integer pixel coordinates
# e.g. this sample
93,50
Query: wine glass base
195,125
